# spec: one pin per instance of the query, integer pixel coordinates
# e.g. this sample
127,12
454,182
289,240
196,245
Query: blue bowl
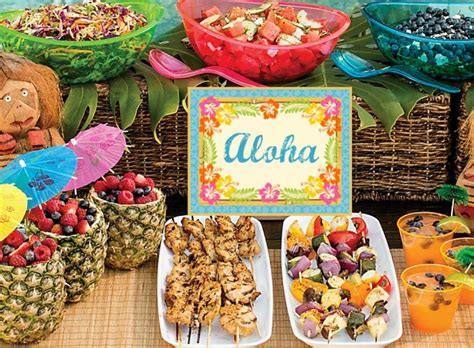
448,59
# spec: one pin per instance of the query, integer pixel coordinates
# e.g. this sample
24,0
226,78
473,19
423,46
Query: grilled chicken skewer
238,319
248,245
175,238
226,242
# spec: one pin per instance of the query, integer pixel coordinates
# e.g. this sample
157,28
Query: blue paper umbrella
42,174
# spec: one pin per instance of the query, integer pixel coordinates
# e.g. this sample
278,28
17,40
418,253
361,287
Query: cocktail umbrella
98,150
13,204
40,174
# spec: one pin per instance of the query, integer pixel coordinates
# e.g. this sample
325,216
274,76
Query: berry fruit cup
467,294
421,239
431,303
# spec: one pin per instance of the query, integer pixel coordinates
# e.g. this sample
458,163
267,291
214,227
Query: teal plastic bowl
85,61
447,59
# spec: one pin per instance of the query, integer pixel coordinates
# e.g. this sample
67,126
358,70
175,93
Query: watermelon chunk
312,36
286,27
236,12
288,13
269,31
236,29
211,12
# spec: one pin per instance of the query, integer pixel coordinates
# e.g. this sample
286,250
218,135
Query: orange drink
421,238
447,251
431,301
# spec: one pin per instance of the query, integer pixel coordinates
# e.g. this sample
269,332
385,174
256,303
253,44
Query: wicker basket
409,168
463,145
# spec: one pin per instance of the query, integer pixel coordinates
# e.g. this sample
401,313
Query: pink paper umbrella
98,150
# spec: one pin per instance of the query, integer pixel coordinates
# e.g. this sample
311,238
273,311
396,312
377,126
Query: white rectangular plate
263,306
384,266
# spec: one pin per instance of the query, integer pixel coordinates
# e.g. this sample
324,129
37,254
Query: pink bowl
265,63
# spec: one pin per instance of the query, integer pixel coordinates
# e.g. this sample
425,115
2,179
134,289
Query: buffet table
122,312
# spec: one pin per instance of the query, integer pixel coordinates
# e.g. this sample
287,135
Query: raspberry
140,180
57,229
127,185
100,186
150,182
14,239
45,224
112,182
153,196
17,261
53,205
142,200
68,209
51,244
125,197
82,227
36,214
81,214
42,253
130,175
33,238
69,220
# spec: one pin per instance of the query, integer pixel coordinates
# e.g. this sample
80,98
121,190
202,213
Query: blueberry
438,288
450,253
439,278
429,9
64,197
429,275
36,244
412,283
445,12
102,194
146,190
434,306
447,302
30,256
421,285
418,217
138,192
419,13
84,204
68,230
90,219
56,216
6,249
91,211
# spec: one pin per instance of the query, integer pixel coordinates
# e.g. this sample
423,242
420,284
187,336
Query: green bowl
85,61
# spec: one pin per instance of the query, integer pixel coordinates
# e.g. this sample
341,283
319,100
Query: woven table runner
122,312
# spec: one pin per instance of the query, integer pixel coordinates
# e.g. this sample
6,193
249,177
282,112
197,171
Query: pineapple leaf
81,99
465,256
292,194
293,108
330,153
209,151
244,194
453,192
125,92
245,109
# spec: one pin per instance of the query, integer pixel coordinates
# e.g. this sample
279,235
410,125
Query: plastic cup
467,294
431,311
421,249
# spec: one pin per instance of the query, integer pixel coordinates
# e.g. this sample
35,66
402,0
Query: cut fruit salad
267,24
335,279
17,250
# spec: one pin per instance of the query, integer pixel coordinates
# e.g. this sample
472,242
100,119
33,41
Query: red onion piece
303,264
307,307
330,268
347,308
343,247
310,329
326,249
348,265
365,255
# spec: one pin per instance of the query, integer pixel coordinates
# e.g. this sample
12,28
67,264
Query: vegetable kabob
335,278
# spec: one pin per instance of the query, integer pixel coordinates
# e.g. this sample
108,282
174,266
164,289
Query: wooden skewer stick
208,344
329,335
199,333
189,334
252,265
179,337
177,332
237,342
468,268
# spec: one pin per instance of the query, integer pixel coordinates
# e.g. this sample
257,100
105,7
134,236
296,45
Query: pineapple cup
83,255
135,230
32,300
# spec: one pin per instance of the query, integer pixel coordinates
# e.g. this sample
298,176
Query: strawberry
17,261
45,224
140,181
68,209
21,250
14,239
130,175
42,253
57,229
127,185
112,182
125,197
51,244
81,214
1,255
53,205
69,220
36,214
153,196
73,202
100,186
150,183
33,238
143,200
82,227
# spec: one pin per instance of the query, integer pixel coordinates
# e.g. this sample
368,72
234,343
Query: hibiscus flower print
269,109
225,114
226,186
332,125
331,175
269,193
331,194
209,194
209,106
208,174
208,126
332,105
313,187
315,112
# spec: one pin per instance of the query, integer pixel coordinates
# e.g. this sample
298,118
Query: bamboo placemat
122,312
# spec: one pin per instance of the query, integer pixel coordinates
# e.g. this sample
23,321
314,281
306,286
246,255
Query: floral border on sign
215,186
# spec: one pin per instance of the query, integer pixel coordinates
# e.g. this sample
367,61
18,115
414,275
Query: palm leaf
293,108
453,192
244,194
245,109
209,151
330,153
124,91
292,194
